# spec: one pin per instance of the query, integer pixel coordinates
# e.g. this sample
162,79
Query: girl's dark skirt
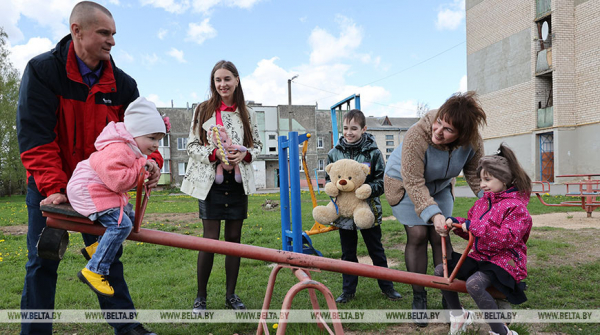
225,201
501,280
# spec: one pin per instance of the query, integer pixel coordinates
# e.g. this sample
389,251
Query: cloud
123,57
327,48
156,99
450,16
161,33
50,14
149,60
177,54
462,86
21,54
171,6
197,6
200,32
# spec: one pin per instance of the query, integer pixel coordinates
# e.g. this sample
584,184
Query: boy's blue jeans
112,240
40,278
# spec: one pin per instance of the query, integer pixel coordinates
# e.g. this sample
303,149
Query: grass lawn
562,275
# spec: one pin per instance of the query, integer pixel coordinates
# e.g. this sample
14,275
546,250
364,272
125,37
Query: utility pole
290,101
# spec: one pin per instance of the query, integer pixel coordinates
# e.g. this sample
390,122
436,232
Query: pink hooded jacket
102,181
501,225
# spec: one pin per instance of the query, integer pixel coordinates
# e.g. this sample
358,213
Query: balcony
543,64
545,117
542,8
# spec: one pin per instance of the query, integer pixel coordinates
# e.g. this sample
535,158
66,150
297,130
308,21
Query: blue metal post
284,194
295,191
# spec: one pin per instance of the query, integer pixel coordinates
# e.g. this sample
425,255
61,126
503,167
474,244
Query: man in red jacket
67,96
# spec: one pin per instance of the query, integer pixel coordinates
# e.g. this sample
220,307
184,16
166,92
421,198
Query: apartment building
536,67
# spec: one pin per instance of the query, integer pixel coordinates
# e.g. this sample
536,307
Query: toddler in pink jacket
99,185
501,224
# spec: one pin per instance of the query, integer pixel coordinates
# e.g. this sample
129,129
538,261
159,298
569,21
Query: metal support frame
306,282
334,127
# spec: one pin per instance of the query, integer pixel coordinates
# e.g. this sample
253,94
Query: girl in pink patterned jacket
501,224
99,185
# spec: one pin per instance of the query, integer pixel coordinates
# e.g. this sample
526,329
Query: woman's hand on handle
439,222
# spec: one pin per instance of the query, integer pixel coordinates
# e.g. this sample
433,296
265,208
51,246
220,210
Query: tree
422,109
12,172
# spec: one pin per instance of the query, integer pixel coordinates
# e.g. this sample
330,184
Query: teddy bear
347,186
221,140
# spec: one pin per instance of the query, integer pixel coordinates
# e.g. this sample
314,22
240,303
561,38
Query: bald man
67,96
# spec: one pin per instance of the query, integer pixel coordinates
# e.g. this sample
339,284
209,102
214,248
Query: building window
319,142
321,165
181,143
164,142
387,157
166,167
272,149
389,143
182,168
301,167
389,150
271,137
389,137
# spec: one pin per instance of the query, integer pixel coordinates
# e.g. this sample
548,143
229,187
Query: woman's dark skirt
225,201
501,280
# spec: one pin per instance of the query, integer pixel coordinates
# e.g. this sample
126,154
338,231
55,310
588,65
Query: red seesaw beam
267,254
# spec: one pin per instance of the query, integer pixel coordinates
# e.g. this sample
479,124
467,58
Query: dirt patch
14,230
570,220
172,218
367,260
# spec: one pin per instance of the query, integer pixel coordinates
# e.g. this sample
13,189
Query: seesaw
62,218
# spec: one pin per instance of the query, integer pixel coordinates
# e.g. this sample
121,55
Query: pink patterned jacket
102,181
501,225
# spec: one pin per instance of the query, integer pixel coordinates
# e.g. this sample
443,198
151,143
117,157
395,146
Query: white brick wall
494,20
587,62
508,111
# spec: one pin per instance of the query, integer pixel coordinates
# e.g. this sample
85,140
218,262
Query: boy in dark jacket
361,147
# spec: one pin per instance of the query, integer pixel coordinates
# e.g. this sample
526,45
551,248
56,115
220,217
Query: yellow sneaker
98,283
89,251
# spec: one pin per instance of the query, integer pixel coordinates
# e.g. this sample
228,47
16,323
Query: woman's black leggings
233,233
415,253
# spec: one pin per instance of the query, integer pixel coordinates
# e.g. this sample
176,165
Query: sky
395,53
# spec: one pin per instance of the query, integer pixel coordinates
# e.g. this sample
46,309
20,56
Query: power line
412,66
388,76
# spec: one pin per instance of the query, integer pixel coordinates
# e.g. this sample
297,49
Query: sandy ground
569,220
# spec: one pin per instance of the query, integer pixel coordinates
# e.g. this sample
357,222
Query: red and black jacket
59,116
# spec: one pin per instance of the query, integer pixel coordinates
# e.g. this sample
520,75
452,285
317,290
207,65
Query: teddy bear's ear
365,168
328,167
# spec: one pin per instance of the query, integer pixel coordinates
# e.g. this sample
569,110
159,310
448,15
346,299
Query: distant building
173,146
536,67
389,131
273,121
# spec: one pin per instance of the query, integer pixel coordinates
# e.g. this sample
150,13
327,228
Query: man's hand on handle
154,171
54,199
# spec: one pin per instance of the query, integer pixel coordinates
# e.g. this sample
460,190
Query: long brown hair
205,110
463,112
519,177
